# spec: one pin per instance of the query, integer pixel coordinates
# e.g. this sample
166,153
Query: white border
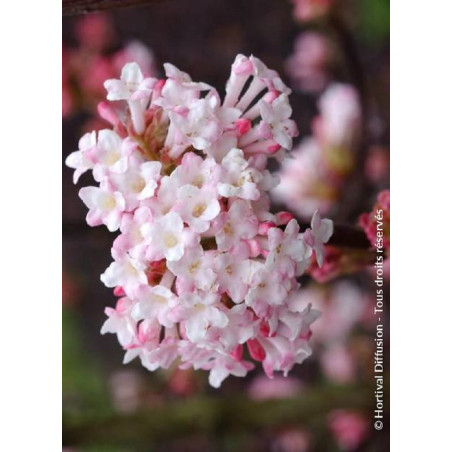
421,146
30,226
30,185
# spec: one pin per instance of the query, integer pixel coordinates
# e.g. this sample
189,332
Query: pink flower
200,257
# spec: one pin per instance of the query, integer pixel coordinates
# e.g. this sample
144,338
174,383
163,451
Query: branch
72,7
210,416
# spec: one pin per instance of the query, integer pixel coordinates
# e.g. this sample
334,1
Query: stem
349,202
211,416
351,53
73,7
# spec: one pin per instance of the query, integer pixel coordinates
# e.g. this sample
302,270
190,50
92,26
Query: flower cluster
203,270
315,176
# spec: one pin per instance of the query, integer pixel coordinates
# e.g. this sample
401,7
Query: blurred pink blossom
302,185
126,389
342,305
376,223
182,382
262,388
349,428
339,261
377,164
318,168
338,364
308,10
339,120
308,64
95,31
137,52
292,440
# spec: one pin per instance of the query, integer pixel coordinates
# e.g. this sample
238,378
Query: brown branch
210,416
72,7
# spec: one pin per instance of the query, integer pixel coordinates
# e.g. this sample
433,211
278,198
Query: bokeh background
326,404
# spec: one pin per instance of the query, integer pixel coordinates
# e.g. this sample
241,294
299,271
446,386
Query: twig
72,7
210,416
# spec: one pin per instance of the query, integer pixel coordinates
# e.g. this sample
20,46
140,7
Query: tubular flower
202,267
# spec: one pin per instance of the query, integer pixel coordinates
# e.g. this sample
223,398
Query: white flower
104,207
238,223
80,160
200,311
241,180
131,86
197,207
230,268
288,244
275,117
112,154
194,270
155,303
125,272
320,233
166,237
138,183
120,322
